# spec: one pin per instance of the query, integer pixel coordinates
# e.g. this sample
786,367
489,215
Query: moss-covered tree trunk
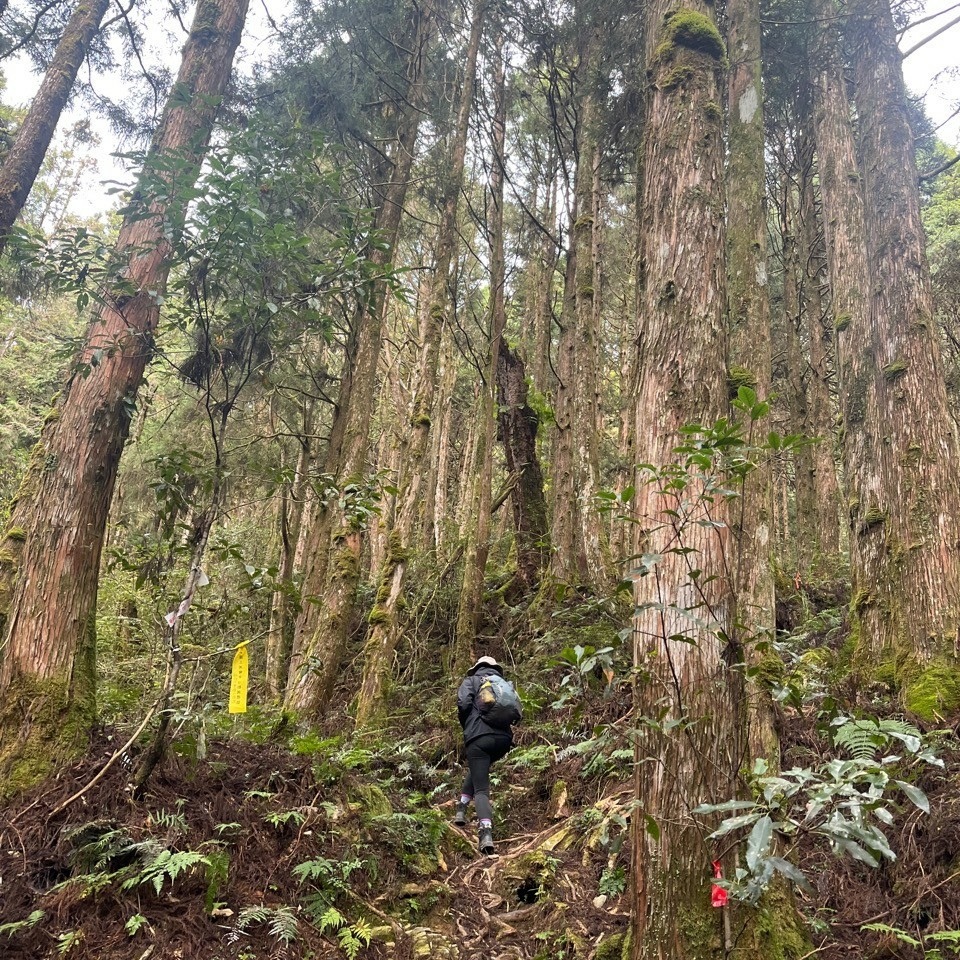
48,582
518,426
23,160
908,517
384,631
330,585
683,377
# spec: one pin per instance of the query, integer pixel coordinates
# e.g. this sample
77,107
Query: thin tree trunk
749,306
23,160
582,553
823,531
292,509
437,522
478,541
384,631
202,526
54,543
323,627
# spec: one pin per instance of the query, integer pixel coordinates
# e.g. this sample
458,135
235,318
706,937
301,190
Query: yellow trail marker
240,680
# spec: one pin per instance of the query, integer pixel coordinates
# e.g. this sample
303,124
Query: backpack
498,702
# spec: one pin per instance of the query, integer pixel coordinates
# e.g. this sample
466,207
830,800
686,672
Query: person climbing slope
487,706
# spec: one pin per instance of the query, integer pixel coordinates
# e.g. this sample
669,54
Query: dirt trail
241,856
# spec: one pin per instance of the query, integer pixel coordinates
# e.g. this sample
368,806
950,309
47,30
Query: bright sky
932,71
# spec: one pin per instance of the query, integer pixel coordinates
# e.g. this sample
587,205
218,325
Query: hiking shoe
460,817
485,840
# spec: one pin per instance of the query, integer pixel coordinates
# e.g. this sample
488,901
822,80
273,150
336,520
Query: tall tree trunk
323,627
384,631
24,159
749,306
844,234
907,519
435,519
581,555
821,536
683,378
56,535
478,539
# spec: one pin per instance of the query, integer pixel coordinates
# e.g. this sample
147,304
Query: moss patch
738,377
43,724
776,930
935,693
693,31
894,371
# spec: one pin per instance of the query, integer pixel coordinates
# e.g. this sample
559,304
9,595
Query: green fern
862,739
282,922
166,864
352,937
11,928
67,941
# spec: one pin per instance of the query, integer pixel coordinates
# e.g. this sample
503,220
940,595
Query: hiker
487,706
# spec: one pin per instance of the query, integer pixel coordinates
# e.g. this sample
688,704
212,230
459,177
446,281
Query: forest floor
278,844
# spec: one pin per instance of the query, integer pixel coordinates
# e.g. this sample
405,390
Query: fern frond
284,925
332,918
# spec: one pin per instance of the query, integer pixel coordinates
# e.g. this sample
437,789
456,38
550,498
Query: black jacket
470,717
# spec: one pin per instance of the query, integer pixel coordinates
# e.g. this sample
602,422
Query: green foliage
844,802
932,944
282,923
538,757
352,936
30,921
135,924
613,881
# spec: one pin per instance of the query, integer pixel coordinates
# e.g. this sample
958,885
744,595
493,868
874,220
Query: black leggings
481,752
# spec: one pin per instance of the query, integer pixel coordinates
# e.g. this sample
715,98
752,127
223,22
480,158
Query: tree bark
683,377
907,515
820,542
24,159
581,556
749,306
56,535
518,425
292,508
